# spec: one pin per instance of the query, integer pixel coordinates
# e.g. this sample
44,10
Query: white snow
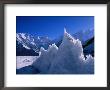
23,61
23,35
45,59
18,38
68,58
38,38
26,46
33,39
28,37
33,43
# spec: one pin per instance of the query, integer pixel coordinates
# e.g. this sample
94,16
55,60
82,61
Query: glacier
68,58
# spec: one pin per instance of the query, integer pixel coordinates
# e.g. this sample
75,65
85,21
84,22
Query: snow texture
44,61
26,46
23,35
67,59
33,42
23,61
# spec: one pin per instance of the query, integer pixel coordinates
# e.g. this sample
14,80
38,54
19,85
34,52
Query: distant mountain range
29,45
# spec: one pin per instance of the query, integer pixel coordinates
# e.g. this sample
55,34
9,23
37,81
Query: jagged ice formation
67,59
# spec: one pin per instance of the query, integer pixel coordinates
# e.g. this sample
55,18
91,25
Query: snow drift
67,59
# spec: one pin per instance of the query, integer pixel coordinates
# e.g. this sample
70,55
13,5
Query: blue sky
53,26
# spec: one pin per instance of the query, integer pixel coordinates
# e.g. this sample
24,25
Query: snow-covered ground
22,61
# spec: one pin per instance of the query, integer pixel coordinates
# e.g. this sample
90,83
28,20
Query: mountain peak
67,36
65,30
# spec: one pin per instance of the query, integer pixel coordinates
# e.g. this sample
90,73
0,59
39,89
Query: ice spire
65,32
67,35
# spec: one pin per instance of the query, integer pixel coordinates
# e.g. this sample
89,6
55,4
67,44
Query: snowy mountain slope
34,43
67,59
23,51
26,40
